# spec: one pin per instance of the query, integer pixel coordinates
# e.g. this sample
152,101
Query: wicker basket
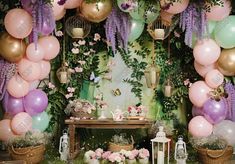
82,115
32,154
215,156
116,148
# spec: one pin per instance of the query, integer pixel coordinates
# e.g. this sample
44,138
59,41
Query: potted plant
143,156
212,149
30,147
80,108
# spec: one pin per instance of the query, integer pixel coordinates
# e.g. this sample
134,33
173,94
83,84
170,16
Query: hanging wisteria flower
97,37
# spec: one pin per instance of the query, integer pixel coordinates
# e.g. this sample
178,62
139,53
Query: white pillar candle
63,77
78,32
168,91
159,33
160,157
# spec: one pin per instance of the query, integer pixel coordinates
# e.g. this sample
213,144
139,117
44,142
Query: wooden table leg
73,150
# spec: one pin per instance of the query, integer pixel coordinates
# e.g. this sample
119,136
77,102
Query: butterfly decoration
93,78
116,92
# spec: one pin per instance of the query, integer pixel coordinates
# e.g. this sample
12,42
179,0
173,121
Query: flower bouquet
137,112
80,108
130,156
143,156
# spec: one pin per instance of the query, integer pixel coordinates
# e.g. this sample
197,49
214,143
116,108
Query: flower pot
131,161
208,156
144,160
87,91
32,154
93,161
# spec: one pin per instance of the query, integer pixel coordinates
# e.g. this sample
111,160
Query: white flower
75,44
59,33
81,42
78,69
75,50
82,62
51,86
86,53
96,37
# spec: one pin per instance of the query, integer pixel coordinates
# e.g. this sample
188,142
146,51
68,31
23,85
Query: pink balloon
177,7
199,93
200,127
71,4
45,69
219,12
34,53
203,70
17,87
21,123
33,85
60,15
56,8
206,52
18,23
50,45
5,130
29,70
214,78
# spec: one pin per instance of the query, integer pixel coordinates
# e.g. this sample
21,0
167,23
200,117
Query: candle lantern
161,147
180,151
63,74
77,27
152,75
168,88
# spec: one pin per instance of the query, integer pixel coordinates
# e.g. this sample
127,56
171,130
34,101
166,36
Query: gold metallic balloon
11,49
226,62
96,12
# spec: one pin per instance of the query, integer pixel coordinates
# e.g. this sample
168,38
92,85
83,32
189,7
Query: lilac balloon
35,102
196,111
215,111
12,105
26,4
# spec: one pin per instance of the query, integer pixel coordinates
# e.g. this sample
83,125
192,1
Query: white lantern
64,146
180,151
162,146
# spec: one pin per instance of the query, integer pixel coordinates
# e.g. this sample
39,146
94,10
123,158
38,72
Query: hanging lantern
180,151
152,75
77,27
63,74
168,88
161,145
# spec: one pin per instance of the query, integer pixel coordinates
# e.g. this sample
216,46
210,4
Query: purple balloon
12,105
35,102
26,4
215,111
197,111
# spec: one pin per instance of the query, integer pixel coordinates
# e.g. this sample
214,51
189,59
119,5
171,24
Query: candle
160,157
77,32
63,77
159,34
168,91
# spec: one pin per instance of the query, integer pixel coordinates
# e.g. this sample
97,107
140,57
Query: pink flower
92,51
81,42
99,152
59,33
75,50
78,69
71,70
75,44
71,89
130,108
135,152
87,53
82,62
51,86
143,153
67,96
106,154
116,157
97,37
92,43
187,82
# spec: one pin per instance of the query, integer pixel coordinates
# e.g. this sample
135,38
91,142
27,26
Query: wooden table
74,142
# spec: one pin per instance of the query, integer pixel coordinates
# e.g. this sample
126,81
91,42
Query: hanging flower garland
117,26
193,21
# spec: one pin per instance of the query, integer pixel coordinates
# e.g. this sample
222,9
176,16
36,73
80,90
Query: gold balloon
97,11
226,62
11,49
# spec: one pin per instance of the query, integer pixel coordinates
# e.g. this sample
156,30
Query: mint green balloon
211,28
225,32
136,30
41,121
139,11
